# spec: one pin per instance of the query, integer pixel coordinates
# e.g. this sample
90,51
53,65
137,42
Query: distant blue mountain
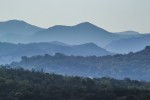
128,33
15,31
17,27
127,45
81,33
12,52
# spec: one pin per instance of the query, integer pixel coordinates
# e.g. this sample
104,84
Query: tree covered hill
20,84
13,52
132,65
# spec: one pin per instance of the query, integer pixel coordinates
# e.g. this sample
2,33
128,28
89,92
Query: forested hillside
13,52
20,84
132,65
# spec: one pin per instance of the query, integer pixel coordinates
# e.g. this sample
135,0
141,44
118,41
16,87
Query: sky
112,15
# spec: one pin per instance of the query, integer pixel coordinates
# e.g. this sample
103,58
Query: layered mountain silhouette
132,65
83,49
18,27
127,45
81,33
15,31
128,33
12,52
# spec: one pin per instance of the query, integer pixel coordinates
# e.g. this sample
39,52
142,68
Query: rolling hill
132,65
81,33
16,31
12,52
127,45
18,27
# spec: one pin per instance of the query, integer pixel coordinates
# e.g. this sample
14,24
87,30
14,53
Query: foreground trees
20,84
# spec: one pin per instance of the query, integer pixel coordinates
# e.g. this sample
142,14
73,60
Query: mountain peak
129,32
17,23
86,24
89,45
18,27
14,21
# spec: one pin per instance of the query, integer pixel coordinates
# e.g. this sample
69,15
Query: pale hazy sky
112,15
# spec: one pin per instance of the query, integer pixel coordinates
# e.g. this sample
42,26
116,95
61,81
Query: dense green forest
132,65
20,84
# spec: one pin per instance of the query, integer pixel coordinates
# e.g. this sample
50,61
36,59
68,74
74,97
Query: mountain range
81,33
18,27
132,44
83,49
16,31
13,52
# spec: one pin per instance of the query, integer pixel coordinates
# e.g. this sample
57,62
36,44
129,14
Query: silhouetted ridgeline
132,65
13,52
20,84
15,31
129,44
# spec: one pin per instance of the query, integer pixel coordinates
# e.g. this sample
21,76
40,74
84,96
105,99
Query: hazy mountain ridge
127,45
132,65
18,27
81,33
16,51
129,33
15,31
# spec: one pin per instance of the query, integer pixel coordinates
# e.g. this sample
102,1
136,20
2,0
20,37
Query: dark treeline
132,65
20,84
